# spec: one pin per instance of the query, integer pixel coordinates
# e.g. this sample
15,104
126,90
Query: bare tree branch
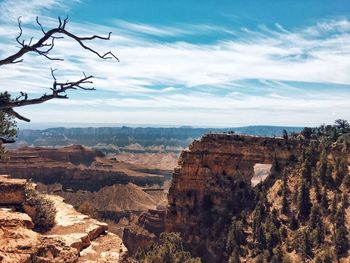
42,47
58,92
58,32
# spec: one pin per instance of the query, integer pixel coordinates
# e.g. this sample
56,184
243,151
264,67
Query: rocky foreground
74,238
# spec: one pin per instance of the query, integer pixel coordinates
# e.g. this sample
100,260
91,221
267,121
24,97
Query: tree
305,248
342,124
322,167
42,47
304,203
324,202
307,132
170,249
334,205
8,130
235,236
341,241
285,135
341,170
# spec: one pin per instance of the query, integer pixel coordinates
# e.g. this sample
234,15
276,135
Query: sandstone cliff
213,183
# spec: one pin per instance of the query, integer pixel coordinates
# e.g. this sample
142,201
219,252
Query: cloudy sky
188,62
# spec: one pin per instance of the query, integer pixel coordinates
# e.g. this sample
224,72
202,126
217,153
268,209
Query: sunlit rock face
212,183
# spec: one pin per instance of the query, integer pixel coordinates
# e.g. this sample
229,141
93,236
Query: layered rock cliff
213,183
75,167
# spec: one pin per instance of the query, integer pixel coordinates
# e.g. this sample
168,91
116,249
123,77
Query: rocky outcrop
12,191
213,183
74,167
147,229
74,238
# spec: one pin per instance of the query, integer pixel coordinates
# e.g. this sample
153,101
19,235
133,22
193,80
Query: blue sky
200,63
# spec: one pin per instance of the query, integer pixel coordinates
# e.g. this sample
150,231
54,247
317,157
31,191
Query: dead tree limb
42,47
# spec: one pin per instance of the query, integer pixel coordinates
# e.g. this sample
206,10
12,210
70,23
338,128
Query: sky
187,62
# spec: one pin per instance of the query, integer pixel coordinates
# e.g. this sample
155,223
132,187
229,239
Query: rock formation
75,167
210,185
213,183
74,238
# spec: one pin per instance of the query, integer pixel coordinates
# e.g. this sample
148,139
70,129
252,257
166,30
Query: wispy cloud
211,79
10,10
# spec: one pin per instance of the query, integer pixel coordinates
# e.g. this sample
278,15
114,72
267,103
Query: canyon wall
75,167
213,183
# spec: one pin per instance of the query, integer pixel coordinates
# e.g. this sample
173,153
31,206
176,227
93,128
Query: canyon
74,167
216,179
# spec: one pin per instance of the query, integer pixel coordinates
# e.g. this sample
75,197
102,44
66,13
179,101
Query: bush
44,212
170,249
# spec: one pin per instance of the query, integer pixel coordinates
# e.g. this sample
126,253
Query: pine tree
278,256
340,171
320,233
305,246
293,222
329,175
235,235
340,217
274,218
344,201
260,237
259,259
341,241
334,208
295,194
317,191
285,204
324,203
315,216
283,232
306,170
322,167
234,257
346,180
304,203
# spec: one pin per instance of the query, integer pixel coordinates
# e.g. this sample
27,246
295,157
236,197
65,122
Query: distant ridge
144,136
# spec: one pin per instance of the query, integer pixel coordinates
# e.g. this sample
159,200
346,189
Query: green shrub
170,250
44,210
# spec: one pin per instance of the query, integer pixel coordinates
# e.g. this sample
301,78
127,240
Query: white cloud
150,73
28,9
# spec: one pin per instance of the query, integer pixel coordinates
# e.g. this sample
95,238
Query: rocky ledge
74,238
